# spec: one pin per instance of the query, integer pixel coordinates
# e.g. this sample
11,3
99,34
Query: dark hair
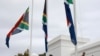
83,54
50,55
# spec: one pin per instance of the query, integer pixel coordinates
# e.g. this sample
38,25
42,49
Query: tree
26,53
42,54
19,54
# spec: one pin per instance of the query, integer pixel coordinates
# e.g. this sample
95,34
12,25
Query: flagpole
30,54
75,25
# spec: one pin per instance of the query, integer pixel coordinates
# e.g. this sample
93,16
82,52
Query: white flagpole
75,25
76,52
47,22
30,54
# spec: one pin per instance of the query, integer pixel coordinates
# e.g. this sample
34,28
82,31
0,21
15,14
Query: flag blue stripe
45,30
16,31
71,28
7,41
72,34
46,46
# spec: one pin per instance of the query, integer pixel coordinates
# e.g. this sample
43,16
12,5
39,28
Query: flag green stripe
44,19
24,26
70,1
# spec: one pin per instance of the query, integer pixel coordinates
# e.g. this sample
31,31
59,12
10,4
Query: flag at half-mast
70,21
22,23
44,21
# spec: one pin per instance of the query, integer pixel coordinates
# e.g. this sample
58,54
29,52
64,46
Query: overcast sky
88,21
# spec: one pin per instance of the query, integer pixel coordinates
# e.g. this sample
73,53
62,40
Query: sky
87,21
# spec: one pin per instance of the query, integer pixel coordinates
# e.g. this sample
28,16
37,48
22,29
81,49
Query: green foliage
19,54
42,54
26,53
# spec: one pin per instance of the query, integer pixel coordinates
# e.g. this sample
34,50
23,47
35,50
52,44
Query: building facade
62,46
91,49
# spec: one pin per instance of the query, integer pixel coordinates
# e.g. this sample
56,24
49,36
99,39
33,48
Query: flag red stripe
68,22
16,25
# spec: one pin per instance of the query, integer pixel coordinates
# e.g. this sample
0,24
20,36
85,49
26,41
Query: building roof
67,38
89,45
